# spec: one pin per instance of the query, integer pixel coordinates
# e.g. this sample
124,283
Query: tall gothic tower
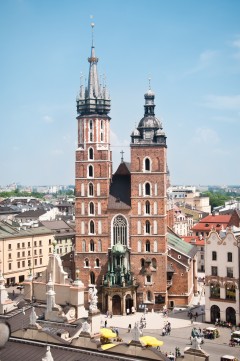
93,175
148,203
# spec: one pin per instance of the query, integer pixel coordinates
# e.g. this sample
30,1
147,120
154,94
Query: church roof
120,189
180,245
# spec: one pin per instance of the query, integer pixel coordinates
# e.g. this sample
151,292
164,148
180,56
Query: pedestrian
105,323
13,293
129,327
128,311
116,331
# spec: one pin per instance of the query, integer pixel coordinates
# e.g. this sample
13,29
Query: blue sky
189,49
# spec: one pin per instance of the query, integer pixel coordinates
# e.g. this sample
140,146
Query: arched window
92,245
149,296
99,245
147,207
97,263
147,246
120,230
147,164
90,171
139,246
90,124
86,262
142,262
91,208
91,227
147,227
83,246
90,189
147,189
90,153
92,278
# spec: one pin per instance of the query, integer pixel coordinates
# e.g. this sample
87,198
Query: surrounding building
199,242
222,276
121,219
189,195
183,222
217,222
23,250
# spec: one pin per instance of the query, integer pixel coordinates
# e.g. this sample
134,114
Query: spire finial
149,83
92,25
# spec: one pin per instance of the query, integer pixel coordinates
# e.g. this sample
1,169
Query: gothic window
92,278
147,246
91,227
91,208
147,189
90,124
90,153
101,136
83,246
120,230
99,245
91,137
97,263
86,262
147,227
92,245
147,207
142,262
101,124
90,189
90,171
147,164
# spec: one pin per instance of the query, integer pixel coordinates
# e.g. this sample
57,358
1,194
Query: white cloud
206,136
48,119
206,59
230,102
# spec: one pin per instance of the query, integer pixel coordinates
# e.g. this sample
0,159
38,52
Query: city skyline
191,52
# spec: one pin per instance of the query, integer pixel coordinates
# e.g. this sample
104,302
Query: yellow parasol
150,341
107,333
107,346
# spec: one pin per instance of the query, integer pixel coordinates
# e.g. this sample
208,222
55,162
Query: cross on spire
122,152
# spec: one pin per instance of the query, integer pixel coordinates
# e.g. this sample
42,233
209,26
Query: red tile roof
194,240
217,222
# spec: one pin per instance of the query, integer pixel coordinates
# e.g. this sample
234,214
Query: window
230,272
92,245
23,245
147,246
99,245
50,250
29,263
91,227
29,244
9,255
9,247
142,262
139,246
23,263
154,263
147,189
214,271
90,153
92,278
90,189
120,230
40,243
40,251
18,254
83,246
35,252
49,241
90,124
91,137
97,263
230,292
149,279
35,261
229,257
19,265
86,262
23,254
147,207
90,171
147,227
149,296
40,260
91,208
147,164
35,243
9,266
214,255
18,245
214,290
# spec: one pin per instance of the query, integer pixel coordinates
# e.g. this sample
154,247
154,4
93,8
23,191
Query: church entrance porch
129,304
117,300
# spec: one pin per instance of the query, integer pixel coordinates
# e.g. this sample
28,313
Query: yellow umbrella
107,333
150,341
107,346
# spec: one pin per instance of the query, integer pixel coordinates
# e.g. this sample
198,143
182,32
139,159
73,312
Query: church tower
93,176
148,203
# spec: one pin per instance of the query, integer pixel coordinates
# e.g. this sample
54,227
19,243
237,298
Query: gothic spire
94,100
